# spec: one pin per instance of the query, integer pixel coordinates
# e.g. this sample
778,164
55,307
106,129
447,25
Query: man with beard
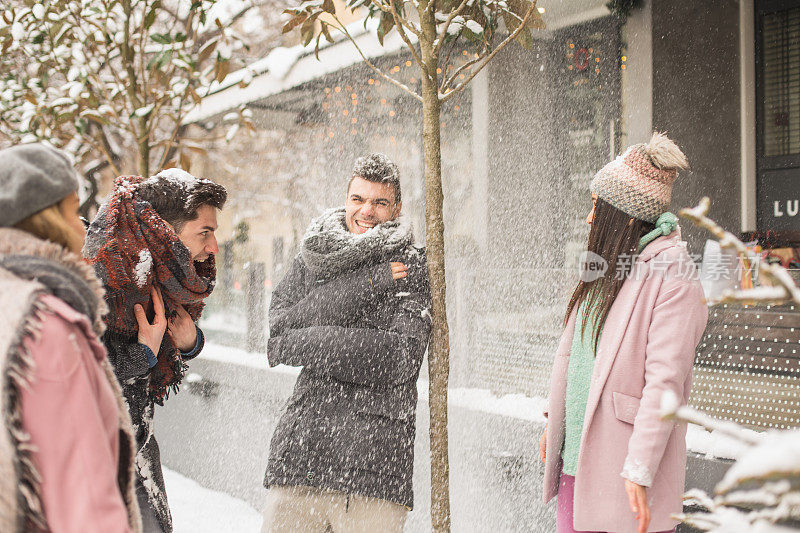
353,311
152,245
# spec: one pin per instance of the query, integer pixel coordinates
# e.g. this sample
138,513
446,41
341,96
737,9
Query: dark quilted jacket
360,338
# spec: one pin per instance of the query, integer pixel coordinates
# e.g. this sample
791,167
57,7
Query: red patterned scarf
132,248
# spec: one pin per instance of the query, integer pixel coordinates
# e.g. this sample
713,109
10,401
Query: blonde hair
49,224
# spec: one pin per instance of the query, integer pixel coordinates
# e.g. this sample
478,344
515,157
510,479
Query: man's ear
397,209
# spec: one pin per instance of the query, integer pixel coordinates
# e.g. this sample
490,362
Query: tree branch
776,274
177,134
406,23
397,22
383,7
443,33
202,38
107,154
141,55
110,159
91,179
687,414
449,81
378,71
430,6
460,87
127,60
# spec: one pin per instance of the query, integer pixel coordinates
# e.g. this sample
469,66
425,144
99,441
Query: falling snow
508,273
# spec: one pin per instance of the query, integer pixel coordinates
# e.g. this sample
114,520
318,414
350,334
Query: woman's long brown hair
612,237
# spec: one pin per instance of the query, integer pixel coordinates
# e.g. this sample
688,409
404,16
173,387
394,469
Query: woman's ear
630,222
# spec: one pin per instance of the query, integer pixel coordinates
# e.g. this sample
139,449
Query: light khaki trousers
311,510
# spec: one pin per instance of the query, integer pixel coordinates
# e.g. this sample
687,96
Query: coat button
310,475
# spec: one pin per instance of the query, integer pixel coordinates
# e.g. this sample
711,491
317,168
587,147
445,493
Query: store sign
791,208
779,200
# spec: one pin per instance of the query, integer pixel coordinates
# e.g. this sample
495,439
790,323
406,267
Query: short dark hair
176,195
377,168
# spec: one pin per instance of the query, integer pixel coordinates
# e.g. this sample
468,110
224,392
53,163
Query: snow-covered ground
244,383
224,322
512,405
196,509
698,440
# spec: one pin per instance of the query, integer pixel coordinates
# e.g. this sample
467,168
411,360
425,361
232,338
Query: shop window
778,119
781,82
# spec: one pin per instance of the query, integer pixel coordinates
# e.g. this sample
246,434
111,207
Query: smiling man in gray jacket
353,311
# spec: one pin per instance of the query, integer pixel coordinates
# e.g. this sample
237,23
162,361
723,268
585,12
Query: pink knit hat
639,182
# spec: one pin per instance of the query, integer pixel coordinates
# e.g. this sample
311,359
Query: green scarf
665,225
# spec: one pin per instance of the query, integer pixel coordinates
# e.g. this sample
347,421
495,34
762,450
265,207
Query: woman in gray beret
66,455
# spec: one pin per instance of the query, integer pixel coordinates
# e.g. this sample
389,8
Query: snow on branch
445,28
121,75
671,410
761,489
451,91
781,285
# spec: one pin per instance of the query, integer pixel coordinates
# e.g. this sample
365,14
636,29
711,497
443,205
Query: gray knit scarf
59,280
329,248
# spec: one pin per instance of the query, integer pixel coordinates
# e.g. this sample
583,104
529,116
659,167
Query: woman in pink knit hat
631,328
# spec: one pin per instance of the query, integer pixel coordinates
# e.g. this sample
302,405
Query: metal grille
514,363
781,82
748,366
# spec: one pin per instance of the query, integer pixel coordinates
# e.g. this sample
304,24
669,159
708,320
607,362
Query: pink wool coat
72,411
647,347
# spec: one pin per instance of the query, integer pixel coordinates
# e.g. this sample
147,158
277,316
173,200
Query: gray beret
32,177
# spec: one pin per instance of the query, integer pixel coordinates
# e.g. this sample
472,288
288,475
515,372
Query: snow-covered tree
777,285
760,493
430,30
111,80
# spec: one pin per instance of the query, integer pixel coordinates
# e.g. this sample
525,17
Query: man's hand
151,334
399,270
182,330
637,498
543,445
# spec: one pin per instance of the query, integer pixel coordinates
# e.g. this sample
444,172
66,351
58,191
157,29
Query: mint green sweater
579,377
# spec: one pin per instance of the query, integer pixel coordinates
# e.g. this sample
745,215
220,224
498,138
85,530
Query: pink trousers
564,501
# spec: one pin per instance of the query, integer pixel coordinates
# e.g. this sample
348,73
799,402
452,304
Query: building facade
722,78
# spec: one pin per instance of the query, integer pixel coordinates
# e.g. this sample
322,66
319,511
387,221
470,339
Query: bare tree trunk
439,350
92,175
169,152
144,148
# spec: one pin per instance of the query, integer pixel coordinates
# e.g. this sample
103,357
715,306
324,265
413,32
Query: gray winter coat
360,337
